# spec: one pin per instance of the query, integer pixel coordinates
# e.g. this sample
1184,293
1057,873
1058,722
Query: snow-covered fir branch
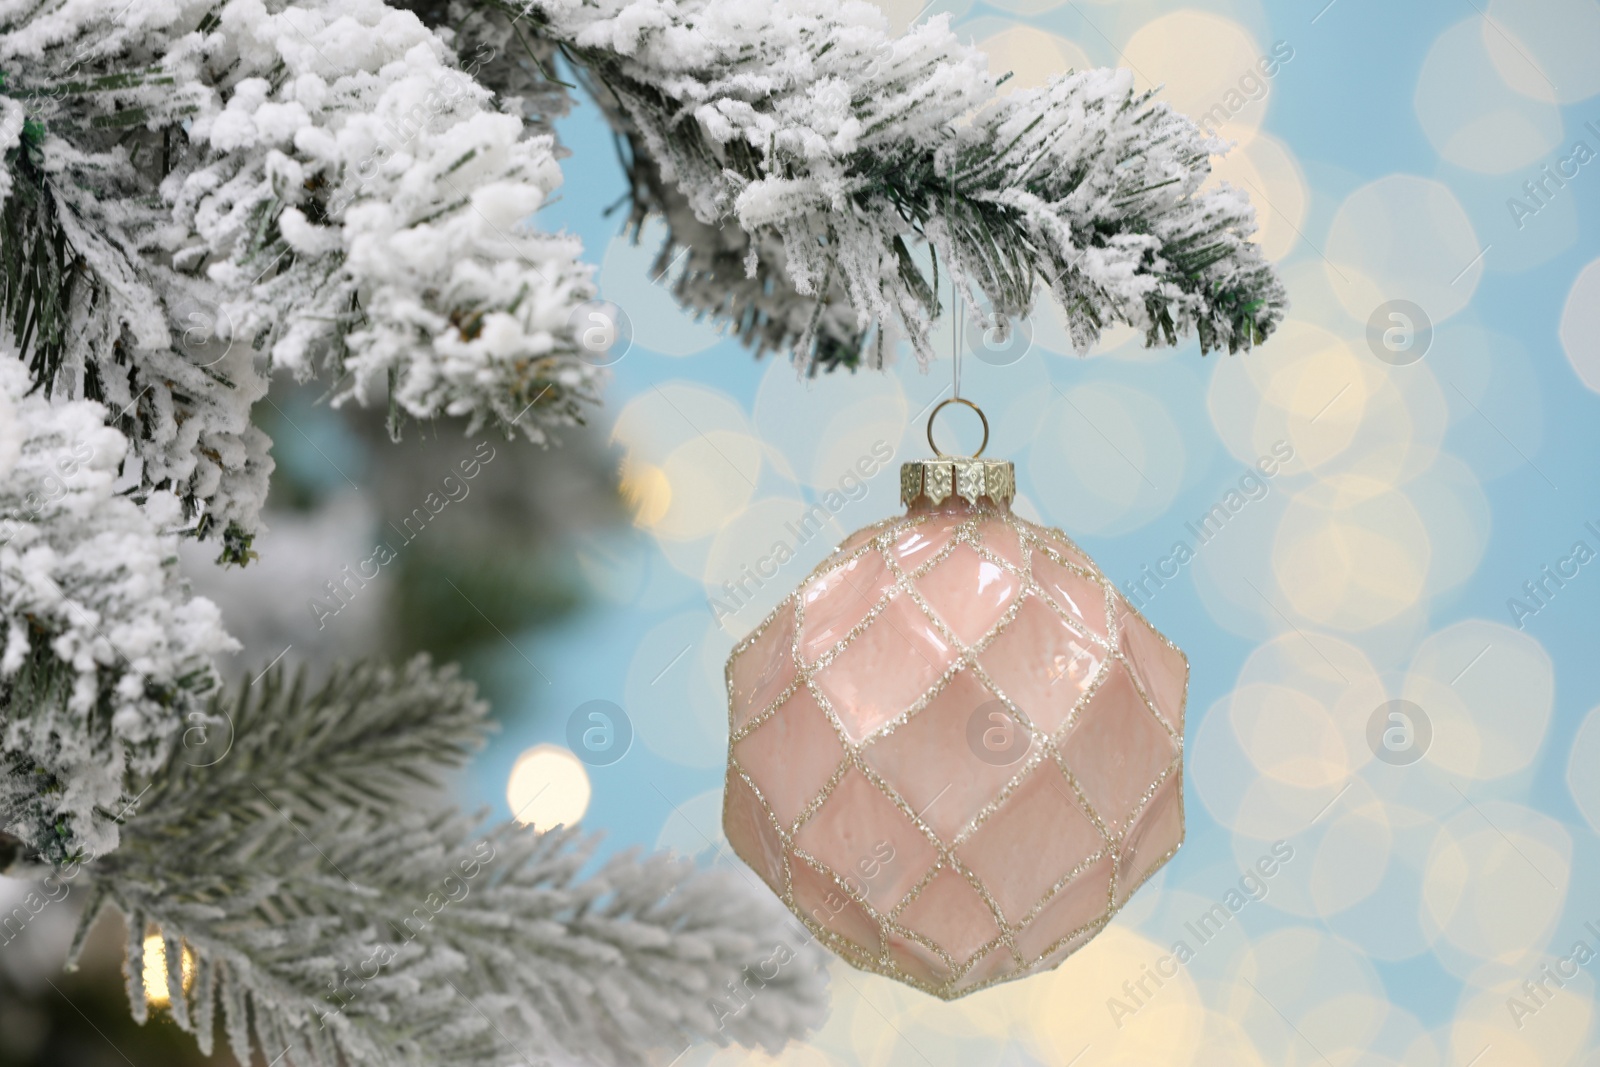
325,921
102,650
502,55
803,125
202,192
708,264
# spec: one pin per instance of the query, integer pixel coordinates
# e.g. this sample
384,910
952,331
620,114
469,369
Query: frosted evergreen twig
346,928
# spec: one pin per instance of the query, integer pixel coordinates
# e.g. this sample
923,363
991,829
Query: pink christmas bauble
955,750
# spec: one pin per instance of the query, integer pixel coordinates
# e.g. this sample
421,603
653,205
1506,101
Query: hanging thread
955,350
957,312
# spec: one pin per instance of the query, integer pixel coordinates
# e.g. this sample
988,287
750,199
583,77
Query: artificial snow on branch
331,928
762,309
200,192
103,653
802,124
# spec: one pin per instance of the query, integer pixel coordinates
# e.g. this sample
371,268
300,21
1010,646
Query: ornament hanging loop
967,403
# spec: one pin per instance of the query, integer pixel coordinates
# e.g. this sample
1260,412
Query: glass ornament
955,750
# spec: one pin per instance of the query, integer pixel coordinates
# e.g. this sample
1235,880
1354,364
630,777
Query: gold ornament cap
969,478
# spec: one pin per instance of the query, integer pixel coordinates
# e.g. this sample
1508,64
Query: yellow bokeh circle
1214,70
1031,56
1489,690
1403,237
1495,883
1351,555
1545,49
1470,116
548,787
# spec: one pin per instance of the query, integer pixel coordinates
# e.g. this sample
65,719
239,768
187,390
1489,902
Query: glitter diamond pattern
858,788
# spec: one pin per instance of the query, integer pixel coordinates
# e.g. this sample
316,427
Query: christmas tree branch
342,927
202,183
103,652
708,264
787,126
367,737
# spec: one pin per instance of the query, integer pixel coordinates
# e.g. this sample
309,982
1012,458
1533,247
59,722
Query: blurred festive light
1403,236
1313,395
1127,996
1470,116
1352,856
1452,504
1212,68
1545,49
1033,56
548,787
1549,1026
1385,924
1350,556
1328,990
1490,690
711,478
1243,762
1290,736
157,987
1581,779
706,458
1495,885
1109,456
1580,326
645,490
673,689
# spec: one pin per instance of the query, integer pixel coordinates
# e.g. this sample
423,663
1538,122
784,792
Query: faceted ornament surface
955,750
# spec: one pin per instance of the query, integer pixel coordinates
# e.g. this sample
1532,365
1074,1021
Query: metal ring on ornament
981,418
